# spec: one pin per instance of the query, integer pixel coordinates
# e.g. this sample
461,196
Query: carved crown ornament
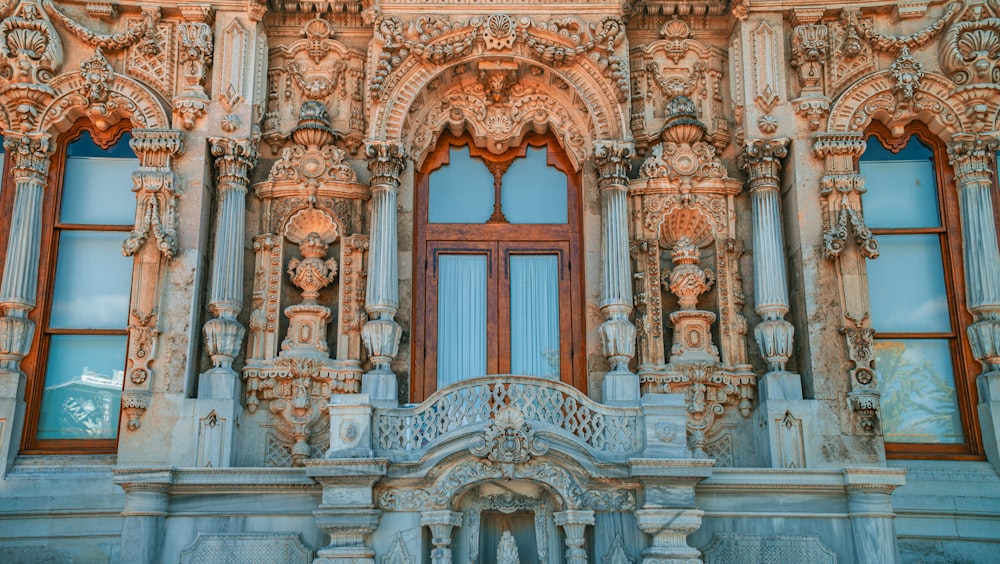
678,65
316,68
508,441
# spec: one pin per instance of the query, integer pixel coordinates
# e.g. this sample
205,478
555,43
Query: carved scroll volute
969,56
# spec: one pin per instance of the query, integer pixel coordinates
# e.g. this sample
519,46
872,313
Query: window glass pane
98,191
83,387
93,281
461,191
534,192
461,335
906,285
918,403
902,188
534,315
3,155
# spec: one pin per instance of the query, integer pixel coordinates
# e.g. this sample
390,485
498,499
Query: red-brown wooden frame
524,238
34,363
964,364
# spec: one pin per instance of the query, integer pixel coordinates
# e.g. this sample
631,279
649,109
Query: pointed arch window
498,282
916,294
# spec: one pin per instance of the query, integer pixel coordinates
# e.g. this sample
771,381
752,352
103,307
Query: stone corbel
841,189
810,47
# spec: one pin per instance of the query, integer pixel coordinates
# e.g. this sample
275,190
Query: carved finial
313,129
682,125
507,550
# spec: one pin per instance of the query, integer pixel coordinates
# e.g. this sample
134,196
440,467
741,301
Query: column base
220,382
779,385
381,387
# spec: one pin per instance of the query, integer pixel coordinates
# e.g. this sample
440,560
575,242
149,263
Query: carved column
761,159
234,162
441,522
381,333
841,189
574,523
30,154
617,332
973,158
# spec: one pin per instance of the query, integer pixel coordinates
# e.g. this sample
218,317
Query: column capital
761,159
30,154
972,155
386,162
611,158
848,144
234,159
155,147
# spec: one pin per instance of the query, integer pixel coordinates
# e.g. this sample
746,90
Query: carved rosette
841,189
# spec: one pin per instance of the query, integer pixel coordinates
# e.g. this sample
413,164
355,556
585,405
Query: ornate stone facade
732,401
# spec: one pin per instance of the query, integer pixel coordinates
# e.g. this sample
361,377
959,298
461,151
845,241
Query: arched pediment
104,97
570,63
873,98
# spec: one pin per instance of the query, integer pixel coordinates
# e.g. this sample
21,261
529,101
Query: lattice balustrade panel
603,428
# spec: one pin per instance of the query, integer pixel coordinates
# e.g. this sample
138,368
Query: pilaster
973,157
30,154
574,523
869,507
617,332
145,513
381,333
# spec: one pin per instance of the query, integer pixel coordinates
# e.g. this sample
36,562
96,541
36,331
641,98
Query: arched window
498,278
76,364
916,293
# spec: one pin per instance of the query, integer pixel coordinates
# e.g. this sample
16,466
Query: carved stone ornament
197,45
507,503
841,189
678,65
810,49
437,41
156,193
864,395
969,50
30,47
316,68
508,441
507,550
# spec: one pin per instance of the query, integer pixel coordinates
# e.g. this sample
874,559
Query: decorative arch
103,97
872,98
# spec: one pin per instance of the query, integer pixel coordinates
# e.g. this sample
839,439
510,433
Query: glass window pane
98,191
461,191
93,281
83,387
902,188
906,285
534,192
461,335
534,315
918,403
3,155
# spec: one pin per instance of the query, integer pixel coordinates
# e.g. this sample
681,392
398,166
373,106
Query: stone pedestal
665,416
989,415
347,512
350,426
669,514
670,529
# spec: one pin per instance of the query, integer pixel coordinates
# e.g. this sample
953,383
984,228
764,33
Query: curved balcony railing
614,431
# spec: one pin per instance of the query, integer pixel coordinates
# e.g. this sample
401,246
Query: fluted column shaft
617,332
973,156
381,333
234,163
30,154
761,159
